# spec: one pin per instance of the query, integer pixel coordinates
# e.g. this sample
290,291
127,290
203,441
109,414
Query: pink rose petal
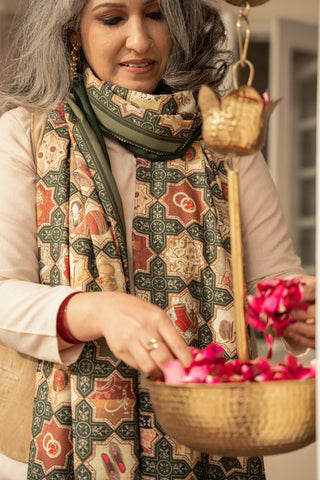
174,373
210,366
270,308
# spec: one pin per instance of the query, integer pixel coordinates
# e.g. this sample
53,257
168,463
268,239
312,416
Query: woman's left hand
303,331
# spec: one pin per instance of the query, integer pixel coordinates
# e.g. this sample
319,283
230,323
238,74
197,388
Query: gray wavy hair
37,74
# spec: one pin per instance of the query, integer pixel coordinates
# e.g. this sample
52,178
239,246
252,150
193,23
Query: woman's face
125,42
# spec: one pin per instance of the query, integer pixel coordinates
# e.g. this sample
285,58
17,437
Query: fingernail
310,321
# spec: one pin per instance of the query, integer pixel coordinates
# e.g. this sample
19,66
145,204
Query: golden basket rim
224,385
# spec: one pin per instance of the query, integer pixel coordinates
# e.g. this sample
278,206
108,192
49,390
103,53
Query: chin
139,84
138,87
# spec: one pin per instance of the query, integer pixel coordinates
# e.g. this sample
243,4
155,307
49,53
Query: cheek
99,54
95,45
166,44
169,48
166,51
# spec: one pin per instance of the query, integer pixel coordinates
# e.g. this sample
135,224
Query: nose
138,38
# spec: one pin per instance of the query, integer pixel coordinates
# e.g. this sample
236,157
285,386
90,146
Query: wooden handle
237,265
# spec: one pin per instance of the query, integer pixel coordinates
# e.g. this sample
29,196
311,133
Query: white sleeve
267,246
28,310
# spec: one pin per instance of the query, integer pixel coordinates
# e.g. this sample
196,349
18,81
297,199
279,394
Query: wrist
84,314
62,326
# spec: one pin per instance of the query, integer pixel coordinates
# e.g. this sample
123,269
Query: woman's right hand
128,324
303,330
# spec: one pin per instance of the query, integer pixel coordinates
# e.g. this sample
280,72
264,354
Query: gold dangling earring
75,55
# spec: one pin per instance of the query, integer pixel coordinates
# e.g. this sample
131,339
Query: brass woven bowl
237,418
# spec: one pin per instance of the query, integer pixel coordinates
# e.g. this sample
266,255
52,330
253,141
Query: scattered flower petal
270,309
174,372
266,98
217,369
267,312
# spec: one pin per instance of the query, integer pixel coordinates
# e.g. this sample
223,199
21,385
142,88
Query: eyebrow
118,5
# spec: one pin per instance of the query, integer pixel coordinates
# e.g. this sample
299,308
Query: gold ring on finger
153,344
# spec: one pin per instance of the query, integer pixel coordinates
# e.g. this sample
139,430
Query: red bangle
62,328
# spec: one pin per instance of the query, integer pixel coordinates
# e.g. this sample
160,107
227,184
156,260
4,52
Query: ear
207,99
75,38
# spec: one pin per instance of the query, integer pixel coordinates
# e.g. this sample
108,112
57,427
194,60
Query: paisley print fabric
94,419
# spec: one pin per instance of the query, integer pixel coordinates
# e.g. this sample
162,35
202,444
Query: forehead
119,3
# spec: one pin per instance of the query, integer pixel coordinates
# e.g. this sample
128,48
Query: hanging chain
243,45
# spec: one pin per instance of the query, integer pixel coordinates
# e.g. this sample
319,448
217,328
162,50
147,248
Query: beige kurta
28,310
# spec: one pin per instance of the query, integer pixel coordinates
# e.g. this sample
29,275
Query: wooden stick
237,265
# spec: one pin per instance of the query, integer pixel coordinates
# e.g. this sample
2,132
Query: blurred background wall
306,11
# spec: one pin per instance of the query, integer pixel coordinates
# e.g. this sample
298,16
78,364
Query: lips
138,65
133,65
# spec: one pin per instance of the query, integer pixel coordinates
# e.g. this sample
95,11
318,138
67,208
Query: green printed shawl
94,420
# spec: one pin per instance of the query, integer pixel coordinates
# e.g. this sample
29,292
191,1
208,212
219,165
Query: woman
128,200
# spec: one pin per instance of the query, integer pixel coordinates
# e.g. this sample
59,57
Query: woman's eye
111,20
156,15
